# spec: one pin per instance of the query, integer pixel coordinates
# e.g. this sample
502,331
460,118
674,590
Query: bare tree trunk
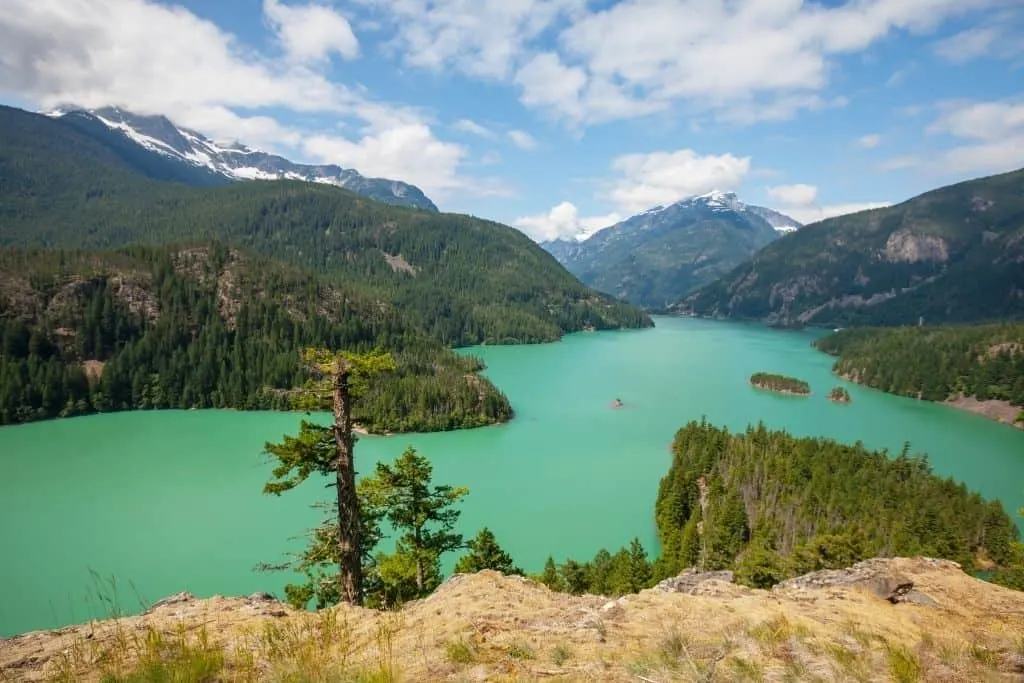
349,556
419,562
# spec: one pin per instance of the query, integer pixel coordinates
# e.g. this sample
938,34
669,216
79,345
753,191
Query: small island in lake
839,395
780,384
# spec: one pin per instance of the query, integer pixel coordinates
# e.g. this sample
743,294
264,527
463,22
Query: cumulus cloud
744,61
869,141
311,32
162,59
657,178
563,222
522,139
482,38
800,202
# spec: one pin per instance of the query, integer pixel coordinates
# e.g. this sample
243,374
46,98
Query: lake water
146,504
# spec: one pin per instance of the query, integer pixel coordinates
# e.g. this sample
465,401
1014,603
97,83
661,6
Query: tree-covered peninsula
210,327
780,384
770,506
942,363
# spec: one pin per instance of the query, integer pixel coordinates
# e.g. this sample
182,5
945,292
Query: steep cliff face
897,619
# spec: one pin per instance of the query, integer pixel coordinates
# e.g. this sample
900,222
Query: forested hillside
934,363
209,327
461,279
955,254
771,505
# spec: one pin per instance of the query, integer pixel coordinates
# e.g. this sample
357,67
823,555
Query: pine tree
340,377
485,553
550,577
426,515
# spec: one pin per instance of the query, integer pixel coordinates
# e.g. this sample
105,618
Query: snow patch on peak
235,161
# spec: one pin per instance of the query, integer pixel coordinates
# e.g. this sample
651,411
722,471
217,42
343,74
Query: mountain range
161,150
655,258
460,279
954,254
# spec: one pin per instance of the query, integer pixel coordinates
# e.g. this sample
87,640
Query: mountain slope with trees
209,327
955,254
461,279
656,257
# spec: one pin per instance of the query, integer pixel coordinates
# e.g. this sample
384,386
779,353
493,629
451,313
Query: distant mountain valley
655,258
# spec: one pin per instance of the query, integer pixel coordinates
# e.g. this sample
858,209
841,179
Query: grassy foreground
490,627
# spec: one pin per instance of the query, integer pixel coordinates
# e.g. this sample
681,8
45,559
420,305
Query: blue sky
561,116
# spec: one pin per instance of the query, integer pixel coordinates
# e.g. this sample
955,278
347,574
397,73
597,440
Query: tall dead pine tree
338,379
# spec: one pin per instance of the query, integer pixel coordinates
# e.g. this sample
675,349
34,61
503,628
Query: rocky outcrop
833,625
690,580
904,246
880,577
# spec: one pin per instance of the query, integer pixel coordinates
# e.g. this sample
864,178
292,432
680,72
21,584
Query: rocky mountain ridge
884,619
954,254
205,162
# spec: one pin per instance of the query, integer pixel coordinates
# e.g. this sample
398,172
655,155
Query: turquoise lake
142,505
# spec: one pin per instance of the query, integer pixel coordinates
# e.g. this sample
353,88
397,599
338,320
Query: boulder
877,575
690,579
175,599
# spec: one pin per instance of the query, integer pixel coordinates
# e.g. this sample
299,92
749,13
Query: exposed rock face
903,246
878,576
690,580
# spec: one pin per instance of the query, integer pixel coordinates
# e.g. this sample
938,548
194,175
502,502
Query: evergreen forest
780,383
770,506
210,327
934,363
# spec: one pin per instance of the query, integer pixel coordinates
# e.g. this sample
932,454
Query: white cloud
994,135
664,177
522,139
547,83
794,195
474,128
158,59
800,202
813,214
563,222
981,120
482,38
386,154
311,32
740,60
998,37
869,141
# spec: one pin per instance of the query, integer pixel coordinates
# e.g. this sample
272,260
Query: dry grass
490,627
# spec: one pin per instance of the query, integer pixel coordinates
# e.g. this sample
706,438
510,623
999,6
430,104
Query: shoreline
785,392
1002,412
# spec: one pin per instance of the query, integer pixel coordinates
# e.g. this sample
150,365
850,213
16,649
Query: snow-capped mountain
206,162
656,257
